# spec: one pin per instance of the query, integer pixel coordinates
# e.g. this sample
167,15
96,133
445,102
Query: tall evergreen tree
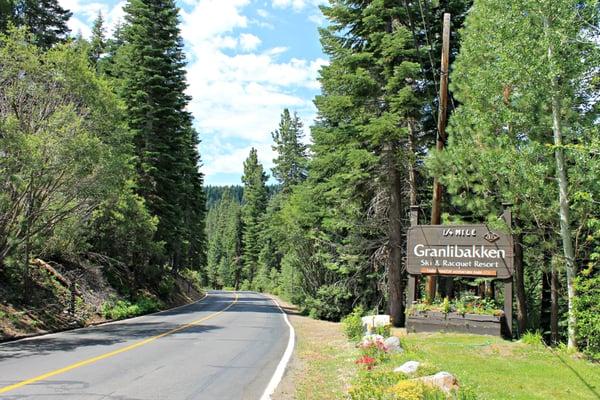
253,208
46,20
224,238
98,40
527,107
374,119
153,79
291,163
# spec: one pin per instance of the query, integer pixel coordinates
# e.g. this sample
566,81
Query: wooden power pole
436,203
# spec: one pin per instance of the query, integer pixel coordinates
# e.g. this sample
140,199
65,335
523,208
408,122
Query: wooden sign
465,250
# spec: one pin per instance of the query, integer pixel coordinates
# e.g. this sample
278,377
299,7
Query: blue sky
247,60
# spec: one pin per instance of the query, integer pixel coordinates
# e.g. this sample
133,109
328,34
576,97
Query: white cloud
238,87
249,42
297,5
87,12
238,97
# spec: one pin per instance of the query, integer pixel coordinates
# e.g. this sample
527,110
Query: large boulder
393,344
442,380
374,321
408,368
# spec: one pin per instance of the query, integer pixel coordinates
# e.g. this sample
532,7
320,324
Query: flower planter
433,321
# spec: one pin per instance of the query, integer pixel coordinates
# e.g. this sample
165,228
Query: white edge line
285,359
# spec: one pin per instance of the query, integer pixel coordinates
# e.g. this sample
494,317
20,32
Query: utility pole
436,203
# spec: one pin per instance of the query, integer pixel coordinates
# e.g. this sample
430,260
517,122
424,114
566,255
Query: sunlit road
226,346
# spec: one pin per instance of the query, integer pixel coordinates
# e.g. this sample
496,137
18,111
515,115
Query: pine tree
46,20
291,162
253,209
153,78
526,97
112,64
98,41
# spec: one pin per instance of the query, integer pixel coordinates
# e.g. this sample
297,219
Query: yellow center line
112,353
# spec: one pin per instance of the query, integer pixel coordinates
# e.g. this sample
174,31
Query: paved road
229,355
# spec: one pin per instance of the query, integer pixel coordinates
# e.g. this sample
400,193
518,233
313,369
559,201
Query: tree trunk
395,283
545,306
554,306
563,186
490,290
520,286
412,175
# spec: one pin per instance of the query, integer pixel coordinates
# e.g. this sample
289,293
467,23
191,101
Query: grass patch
497,369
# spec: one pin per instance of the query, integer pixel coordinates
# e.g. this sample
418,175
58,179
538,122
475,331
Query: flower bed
469,314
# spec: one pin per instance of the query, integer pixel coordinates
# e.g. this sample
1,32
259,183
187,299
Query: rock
442,380
373,321
408,368
393,344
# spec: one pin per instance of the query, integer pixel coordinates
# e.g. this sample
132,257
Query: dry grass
323,361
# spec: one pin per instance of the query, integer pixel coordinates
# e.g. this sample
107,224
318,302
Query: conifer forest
100,162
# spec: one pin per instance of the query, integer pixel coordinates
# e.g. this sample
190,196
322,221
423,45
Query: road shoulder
322,363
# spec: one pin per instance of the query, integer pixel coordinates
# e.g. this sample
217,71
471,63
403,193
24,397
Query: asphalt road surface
226,346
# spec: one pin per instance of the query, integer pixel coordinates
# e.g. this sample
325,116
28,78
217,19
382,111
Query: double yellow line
112,353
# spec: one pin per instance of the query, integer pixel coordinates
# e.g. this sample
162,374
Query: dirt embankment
66,295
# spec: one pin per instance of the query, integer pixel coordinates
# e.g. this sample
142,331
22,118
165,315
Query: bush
166,286
375,349
352,324
372,385
587,310
125,309
193,277
383,330
532,338
330,303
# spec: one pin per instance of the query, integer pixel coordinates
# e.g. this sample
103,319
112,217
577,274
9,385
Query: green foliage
253,208
514,68
291,162
466,303
224,235
121,309
532,338
194,277
45,19
166,286
150,65
383,330
587,309
64,146
98,41
352,324
331,302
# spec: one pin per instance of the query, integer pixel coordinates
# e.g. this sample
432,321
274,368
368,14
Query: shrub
193,277
406,390
587,310
532,338
371,385
383,330
166,286
352,324
375,349
330,303
125,309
